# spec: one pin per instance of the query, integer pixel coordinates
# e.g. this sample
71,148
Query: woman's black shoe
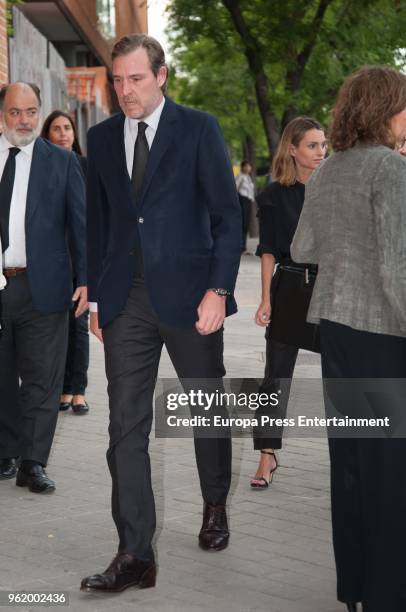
65,406
80,408
352,606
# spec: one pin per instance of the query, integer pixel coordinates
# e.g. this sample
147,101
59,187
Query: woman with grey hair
353,225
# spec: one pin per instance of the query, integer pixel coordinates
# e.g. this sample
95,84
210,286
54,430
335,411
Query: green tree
258,63
227,93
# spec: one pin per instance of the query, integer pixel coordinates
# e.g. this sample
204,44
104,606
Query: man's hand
81,295
263,314
211,311
94,326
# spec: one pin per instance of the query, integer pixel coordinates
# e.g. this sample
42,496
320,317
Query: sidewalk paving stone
280,555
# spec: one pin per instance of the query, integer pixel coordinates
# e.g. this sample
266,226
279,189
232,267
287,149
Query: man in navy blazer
164,238
42,211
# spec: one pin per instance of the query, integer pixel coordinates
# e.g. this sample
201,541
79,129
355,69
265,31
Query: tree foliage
9,15
256,64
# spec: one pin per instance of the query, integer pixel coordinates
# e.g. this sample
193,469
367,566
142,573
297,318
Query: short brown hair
366,102
283,166
155,52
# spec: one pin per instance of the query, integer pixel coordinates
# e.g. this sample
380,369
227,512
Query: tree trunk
295,74
253,53
249,150
249,153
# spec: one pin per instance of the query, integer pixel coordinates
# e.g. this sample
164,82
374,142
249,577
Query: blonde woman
301,150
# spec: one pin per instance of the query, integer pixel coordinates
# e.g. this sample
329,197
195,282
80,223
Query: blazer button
141,220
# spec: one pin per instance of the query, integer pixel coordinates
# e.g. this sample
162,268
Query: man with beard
42,210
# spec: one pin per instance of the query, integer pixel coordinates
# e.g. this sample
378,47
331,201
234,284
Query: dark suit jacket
187,219
83,163
55,221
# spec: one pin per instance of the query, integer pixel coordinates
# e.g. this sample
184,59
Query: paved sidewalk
280,555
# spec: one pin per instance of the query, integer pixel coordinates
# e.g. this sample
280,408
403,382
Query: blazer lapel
117,153
38,174
162,140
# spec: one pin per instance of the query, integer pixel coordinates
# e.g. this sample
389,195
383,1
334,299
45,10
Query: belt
305,270
9,272
311,268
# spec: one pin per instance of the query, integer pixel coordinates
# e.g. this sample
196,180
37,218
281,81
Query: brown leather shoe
214,534
123,572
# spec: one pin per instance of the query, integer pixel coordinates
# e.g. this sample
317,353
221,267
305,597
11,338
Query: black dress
279,212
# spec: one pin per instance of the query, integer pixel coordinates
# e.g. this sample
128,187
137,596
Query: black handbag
291,292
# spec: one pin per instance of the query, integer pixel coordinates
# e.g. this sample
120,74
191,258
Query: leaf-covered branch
9,15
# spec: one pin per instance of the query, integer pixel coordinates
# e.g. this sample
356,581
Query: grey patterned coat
353,225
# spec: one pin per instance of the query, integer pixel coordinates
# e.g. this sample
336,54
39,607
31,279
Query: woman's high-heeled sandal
352,606
261,482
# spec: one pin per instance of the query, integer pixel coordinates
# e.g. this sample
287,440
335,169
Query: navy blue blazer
188,217
55,227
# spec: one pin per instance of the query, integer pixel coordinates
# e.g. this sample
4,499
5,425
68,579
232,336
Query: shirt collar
5,145
152,120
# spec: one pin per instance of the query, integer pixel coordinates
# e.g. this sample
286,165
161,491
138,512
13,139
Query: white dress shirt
15,255
131,132
130,136
2,277
245,186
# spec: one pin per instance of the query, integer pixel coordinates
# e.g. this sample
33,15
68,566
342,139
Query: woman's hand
263,314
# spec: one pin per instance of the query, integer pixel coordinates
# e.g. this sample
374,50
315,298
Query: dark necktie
6,192
141,152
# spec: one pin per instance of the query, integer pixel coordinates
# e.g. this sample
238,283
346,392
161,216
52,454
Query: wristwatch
220,292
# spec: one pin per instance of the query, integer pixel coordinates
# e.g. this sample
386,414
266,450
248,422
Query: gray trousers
133,342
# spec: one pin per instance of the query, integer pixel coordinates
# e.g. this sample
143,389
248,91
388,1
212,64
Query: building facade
64,47
3,44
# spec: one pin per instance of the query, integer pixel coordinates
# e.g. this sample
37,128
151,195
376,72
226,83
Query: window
106,14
